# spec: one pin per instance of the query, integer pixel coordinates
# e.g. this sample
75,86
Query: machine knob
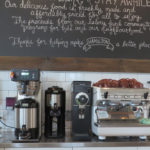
134,108
106,95
145,95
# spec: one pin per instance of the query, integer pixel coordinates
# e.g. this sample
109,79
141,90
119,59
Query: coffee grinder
81,110
28,105
54,112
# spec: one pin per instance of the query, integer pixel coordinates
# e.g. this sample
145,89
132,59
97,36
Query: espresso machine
81,110
54,112
118,112
28,105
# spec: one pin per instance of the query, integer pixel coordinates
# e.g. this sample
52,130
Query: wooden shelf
75,64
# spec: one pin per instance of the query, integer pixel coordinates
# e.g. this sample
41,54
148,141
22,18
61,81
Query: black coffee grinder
54,112
81,110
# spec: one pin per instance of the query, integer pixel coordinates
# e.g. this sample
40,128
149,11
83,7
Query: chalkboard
75,28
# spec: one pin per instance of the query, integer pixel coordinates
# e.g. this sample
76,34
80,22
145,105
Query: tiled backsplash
59,78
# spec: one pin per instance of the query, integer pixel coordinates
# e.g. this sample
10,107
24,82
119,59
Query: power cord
5,124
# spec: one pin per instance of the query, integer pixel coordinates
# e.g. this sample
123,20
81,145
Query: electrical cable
6,124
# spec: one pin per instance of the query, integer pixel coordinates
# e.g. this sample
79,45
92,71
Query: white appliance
117,111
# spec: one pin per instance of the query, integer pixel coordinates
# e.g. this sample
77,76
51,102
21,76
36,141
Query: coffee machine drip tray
121,123
122,128
25,140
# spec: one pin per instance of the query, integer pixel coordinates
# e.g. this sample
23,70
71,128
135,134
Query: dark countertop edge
73,144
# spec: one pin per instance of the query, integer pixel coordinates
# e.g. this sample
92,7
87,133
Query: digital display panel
25,105
25,73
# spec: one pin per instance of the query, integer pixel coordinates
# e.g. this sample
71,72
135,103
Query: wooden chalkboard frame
75,64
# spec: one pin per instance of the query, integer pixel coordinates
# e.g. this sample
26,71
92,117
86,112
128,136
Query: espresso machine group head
27,108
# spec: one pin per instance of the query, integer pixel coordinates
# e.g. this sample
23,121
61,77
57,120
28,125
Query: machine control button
134,108
111,96
126,97
116,96
12,75
33,75
132,97
119,97
138,97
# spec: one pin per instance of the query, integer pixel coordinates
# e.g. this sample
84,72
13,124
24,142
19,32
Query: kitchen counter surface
6,142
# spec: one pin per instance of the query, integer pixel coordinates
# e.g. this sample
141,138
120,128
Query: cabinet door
38,149
143,148
106,148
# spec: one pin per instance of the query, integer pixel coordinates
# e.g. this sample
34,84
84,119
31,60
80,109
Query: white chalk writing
82,19
98,41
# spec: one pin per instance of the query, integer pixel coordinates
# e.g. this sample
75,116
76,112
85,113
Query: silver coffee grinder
28,105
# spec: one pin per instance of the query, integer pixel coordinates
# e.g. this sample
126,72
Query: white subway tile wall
59,78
